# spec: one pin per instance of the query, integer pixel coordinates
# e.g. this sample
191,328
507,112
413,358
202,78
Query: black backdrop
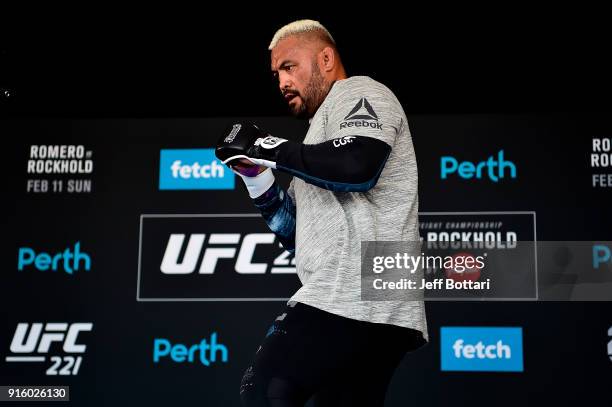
82,84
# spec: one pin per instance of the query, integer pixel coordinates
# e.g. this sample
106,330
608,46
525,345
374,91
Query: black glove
246,140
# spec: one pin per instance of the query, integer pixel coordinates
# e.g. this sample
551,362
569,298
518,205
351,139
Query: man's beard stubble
314,94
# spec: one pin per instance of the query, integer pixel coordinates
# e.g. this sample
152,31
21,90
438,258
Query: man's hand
245,167
239,148
257,178
247,141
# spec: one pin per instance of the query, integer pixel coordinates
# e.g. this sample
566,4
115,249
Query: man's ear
328,59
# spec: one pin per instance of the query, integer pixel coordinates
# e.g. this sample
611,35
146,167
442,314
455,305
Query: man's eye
288,68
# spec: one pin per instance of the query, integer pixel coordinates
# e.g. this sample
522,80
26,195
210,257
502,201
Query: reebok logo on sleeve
362,115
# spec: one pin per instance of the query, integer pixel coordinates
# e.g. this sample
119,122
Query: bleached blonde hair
302,27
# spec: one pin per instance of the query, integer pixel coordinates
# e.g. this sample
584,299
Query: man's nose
284,83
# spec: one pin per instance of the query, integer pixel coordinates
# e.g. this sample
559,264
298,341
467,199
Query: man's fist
247,141
245,167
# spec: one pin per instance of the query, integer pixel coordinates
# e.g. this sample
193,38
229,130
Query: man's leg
365,381
304,348
308,351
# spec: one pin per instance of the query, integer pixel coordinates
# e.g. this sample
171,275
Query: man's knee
279,388
258,390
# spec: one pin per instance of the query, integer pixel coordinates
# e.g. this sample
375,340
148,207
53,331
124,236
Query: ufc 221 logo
221,246
34,342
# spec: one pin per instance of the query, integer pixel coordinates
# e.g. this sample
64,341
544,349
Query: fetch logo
494,169
204,352
359,116
601,255
68,260
481,349
193,169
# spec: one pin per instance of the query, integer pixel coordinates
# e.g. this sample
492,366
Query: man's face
294,64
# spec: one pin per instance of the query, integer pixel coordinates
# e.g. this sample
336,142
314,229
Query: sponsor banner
478,255
58,346
205,352
212,257
71,261
601,162
481,349
610,343
57,169
192,169
495,168
575,270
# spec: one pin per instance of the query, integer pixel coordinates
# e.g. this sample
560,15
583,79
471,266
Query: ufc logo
343,141
39,340
221,246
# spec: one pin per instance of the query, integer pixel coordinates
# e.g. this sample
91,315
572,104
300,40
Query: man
355,179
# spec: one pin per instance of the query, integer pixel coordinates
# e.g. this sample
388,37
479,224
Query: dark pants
338,361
